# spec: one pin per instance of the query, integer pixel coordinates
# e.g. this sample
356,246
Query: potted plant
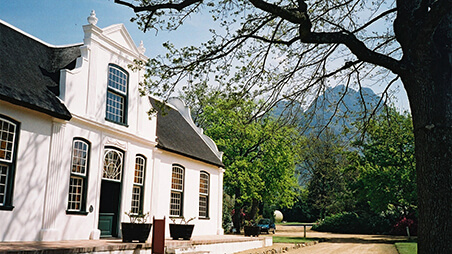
137,229
251,229
181,230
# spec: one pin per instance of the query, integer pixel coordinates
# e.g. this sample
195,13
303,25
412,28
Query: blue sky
59,22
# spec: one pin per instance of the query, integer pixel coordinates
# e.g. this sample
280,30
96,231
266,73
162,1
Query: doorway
110,193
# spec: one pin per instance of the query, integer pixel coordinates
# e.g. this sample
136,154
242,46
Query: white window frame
78,181
138,184
177,191
204,189
117,86
9,139
112,171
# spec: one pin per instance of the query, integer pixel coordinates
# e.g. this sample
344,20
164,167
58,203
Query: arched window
117,95
177,191
138,185
9,132
113,161
78,183
204,183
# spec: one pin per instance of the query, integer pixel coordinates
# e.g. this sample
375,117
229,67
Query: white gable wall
45,151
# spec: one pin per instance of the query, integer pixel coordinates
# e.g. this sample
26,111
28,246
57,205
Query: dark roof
30,72
176,135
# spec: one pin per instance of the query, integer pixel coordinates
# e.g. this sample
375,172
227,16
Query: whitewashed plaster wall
84,93
25,220
84,226
84,88
162,191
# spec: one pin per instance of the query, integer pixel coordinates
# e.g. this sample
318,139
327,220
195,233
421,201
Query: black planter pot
252,230
183,231
135,231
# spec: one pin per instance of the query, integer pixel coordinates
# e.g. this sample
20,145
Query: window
177,191
9,132
117,95
78,183
113,160
138,185
204,195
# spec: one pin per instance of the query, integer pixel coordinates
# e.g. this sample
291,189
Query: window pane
202,206
75,193
176,203
136,200
112,165
204,183
177,178
117,79
79,157
7,137
115,107
139,170
3,182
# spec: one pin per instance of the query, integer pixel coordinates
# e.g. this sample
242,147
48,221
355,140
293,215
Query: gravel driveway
335,243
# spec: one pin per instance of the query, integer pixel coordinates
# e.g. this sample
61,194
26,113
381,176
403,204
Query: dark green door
110,193
109,208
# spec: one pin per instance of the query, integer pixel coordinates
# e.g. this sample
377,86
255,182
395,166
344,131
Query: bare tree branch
150,7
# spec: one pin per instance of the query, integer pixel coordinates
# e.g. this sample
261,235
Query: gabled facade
78,149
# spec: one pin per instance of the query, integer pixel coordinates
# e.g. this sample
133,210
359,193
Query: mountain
338,108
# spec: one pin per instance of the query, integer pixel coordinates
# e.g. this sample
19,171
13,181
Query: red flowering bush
400,227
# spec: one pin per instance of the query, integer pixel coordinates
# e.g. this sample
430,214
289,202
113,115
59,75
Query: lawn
406,247
290,223
289,239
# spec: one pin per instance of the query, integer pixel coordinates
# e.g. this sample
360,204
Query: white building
78,149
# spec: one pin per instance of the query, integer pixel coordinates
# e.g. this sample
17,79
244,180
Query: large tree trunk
429,87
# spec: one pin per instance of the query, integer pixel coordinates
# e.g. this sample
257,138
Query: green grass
289,223
406,247
288,239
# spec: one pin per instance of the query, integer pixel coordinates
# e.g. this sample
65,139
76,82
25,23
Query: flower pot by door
135,231
183,231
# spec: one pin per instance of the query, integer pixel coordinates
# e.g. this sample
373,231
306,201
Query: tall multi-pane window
9,130
204,195
117,95
138,185
78,183
177,191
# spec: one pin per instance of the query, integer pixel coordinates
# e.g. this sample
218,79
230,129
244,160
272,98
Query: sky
59,22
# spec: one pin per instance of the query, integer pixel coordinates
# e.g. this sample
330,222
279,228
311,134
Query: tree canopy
259,153
293,49
387,175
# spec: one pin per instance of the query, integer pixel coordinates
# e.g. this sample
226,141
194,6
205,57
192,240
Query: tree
258,153
301,44
387,176
324,163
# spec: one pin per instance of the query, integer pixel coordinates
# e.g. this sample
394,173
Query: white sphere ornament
278,216
92,19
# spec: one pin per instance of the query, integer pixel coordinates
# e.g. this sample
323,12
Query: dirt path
350,248
335,243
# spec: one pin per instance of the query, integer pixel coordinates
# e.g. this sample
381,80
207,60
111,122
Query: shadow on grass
292,239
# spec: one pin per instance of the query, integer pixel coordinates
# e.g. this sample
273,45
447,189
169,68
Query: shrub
400,227
348,222
345,222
